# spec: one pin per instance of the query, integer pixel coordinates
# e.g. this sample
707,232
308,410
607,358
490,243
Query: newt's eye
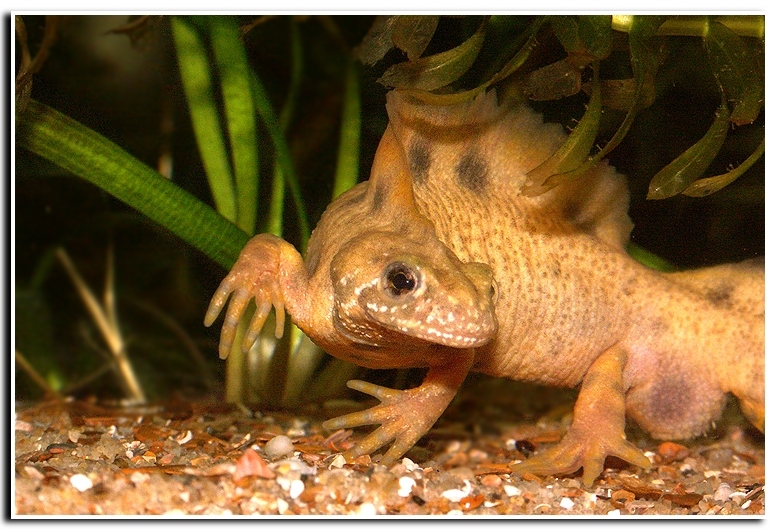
399,279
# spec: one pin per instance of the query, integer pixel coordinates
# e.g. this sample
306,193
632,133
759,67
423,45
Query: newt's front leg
270,271
597,429
405,415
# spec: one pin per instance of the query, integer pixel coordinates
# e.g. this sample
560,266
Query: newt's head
392,291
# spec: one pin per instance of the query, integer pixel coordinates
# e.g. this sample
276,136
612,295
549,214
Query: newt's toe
572,454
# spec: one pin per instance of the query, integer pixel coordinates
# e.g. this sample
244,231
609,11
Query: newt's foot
576,451
404,416
254,276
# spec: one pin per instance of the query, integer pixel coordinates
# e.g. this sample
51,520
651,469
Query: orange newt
442,260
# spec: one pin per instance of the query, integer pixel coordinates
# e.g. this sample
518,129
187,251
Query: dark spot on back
721,296
472,171
419,160
571,210
380,193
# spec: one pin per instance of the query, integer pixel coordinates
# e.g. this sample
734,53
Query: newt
442,260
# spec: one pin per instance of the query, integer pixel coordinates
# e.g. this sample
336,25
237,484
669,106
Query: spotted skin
443,259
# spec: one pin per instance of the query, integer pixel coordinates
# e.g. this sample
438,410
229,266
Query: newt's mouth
457,328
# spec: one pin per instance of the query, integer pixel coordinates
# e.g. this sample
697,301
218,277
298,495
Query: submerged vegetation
219,127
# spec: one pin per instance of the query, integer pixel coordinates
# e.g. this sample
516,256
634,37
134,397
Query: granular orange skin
443,260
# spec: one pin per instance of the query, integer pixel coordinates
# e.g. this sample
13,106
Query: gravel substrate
189,459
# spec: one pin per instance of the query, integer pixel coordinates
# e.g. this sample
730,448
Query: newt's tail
739,289
737,286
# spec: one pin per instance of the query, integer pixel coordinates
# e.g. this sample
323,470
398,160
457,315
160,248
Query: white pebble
567,503
279,446
454,495
367,509
405,485
81,482
296,488
614,513
410,465
723,493
511,491
338,462
281,506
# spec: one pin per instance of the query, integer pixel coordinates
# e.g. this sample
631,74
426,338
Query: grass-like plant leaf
574,150
412,33
590,36
735,69
235,79
197,83
436,71
709,185
683,170
85,153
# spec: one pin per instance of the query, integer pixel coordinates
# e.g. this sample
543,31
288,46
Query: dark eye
399,279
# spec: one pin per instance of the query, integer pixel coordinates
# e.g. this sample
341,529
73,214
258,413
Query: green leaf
589,35
196,80
435,71
275,219
620,94
266,110
509,68
709,185
690,165
574,150
235,78
348,161
413,33
555,81
87,154
596,34
696,25
378,41
736,71
649,259
645,59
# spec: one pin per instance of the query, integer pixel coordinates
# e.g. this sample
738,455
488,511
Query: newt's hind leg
597,429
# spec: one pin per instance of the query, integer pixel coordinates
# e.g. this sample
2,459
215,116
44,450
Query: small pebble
81,482
337,462
367,509
454,495
722,493
567,503
511,491
296,488
405,485
491,481
279,446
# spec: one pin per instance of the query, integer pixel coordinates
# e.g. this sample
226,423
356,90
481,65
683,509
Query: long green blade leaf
235,78
268,115
436,71
348,162
574,150
736,71
196,80
274,221
85,153
690,165
709,185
